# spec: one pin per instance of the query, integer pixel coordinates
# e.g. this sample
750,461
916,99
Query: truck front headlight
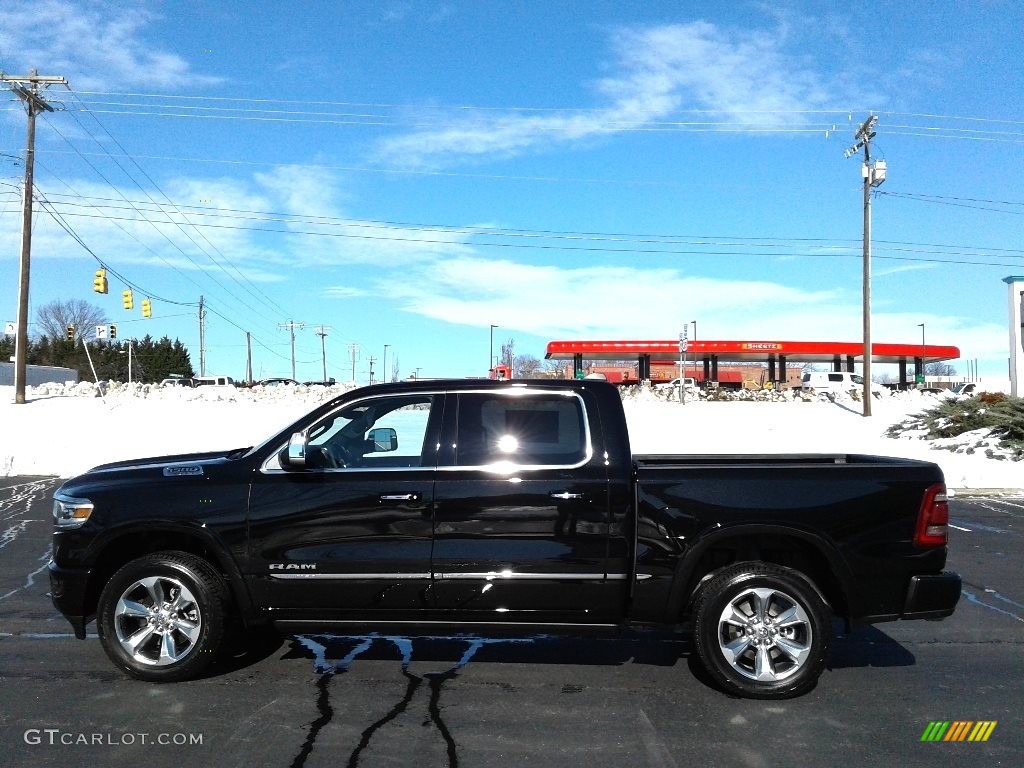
69,512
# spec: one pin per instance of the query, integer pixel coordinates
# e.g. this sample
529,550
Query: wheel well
131,546
787,551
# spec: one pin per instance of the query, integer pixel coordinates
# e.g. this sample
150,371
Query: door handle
400,497
565,495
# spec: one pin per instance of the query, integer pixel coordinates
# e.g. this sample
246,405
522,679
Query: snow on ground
66,430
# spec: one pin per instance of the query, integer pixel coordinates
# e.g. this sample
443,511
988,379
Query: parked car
834,381
276,383
178,381
480,505
688,382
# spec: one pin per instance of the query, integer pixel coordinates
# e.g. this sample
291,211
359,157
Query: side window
381,433
527,430
835,377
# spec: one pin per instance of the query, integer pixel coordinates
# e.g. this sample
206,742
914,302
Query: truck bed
659,460
852,515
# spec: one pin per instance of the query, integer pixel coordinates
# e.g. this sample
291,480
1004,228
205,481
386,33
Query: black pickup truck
495,506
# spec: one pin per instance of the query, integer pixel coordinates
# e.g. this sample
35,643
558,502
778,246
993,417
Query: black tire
741,641
161,618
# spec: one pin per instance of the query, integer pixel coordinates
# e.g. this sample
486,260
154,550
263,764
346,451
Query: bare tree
527,367
394,369
556,369
54,318
940,369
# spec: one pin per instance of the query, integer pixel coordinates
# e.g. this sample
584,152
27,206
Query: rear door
521,512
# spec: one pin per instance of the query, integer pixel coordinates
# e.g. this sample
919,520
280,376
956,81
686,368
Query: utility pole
354,351
321,331
202,337
372,360
873,176
26,88
248,358
490,354
291,325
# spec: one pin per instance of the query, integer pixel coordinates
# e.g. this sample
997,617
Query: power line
255,292
396,171
702,244
729,241
957,202
395,114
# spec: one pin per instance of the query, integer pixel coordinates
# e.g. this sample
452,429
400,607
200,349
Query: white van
834,381
215,381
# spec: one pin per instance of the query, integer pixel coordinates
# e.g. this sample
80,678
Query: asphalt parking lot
540,701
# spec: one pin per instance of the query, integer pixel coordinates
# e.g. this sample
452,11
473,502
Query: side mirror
295,454
383,439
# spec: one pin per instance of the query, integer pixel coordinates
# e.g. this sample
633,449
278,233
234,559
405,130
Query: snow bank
64,430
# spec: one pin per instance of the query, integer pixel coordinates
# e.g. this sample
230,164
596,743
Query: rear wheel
761,631
161,617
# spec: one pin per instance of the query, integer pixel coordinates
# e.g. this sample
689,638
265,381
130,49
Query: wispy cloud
744,79
553,302
269,226
604,302
905,268
344,292
95,45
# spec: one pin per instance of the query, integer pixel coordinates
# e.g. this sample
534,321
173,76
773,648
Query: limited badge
188,471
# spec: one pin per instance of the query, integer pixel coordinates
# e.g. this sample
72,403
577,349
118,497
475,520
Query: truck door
521,517
349,535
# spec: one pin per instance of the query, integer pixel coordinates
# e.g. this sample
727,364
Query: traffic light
126,296
113,331
71,331
147,308
99,283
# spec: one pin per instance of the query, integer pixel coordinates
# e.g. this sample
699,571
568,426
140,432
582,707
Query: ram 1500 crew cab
484,505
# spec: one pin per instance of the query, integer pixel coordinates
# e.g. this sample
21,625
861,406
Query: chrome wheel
765,634
157,621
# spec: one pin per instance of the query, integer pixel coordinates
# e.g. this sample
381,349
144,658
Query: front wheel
762,631
161,617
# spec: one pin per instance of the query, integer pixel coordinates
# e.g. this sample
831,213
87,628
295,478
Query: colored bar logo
959,730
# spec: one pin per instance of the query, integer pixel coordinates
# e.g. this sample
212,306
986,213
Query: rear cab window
521,429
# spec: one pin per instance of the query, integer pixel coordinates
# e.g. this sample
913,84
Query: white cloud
623,302
591,302
95,45
905,268
266,227
745,79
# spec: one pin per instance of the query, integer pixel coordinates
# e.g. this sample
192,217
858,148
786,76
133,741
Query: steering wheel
337,455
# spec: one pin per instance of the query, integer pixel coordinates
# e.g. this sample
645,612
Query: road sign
683,343
10,329
101,331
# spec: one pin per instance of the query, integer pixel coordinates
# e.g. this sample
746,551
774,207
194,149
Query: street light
921,326
490,357
384,365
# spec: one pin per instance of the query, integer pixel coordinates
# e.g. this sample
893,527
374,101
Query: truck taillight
933,519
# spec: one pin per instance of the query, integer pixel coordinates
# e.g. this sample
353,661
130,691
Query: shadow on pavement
868,647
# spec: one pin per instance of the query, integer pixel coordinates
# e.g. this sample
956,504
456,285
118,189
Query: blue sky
409,173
